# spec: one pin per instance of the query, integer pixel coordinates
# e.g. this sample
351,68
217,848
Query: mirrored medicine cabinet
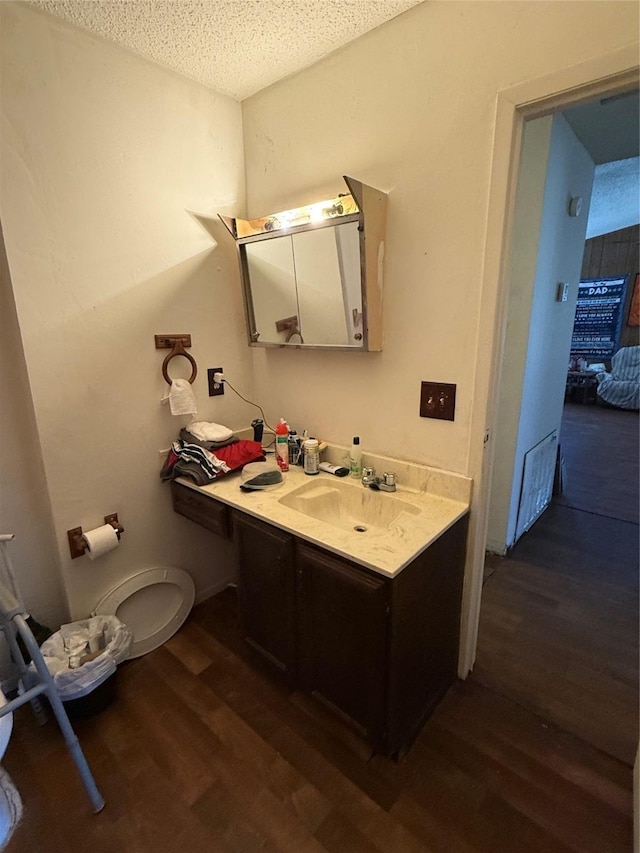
312,276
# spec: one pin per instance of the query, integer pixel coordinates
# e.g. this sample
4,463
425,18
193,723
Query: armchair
621,387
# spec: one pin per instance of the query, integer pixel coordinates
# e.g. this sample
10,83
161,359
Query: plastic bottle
295,448
282,445
355,458
258,427
337,470
311,456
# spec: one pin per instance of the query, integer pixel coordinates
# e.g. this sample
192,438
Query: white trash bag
83,654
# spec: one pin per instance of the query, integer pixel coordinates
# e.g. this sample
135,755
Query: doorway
557,167
609,74
558,626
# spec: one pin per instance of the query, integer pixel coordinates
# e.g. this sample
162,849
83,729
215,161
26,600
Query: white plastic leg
47,686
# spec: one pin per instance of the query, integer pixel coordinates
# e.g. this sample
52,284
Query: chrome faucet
386,483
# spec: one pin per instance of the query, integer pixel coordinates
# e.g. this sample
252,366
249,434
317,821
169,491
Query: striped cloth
202,466
194,462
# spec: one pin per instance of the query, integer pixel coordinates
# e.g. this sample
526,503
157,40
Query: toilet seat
153,603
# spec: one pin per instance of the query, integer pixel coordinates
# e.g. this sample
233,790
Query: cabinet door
426,600
342,638
266,586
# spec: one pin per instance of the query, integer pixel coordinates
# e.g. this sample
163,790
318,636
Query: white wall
24,506
547,248
408,108
569,173
102,155
529,206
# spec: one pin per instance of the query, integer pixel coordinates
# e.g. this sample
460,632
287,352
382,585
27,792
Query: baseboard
214,589
498,548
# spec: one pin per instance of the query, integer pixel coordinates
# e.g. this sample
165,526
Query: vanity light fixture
334,208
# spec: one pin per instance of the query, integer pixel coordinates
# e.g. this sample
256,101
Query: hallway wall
547,249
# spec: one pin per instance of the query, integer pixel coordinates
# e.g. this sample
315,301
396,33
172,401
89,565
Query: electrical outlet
438,400
215,388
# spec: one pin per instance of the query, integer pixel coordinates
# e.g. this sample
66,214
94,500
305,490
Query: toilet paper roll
100,541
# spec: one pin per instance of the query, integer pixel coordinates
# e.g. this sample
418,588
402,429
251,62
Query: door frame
610,74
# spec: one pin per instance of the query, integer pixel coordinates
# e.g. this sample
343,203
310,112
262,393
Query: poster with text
596,328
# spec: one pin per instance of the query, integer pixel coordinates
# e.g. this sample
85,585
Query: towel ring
292,334
178,349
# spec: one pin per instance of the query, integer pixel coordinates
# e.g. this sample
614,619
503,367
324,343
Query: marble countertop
441,498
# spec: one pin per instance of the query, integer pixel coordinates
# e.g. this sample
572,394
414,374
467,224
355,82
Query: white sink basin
349,506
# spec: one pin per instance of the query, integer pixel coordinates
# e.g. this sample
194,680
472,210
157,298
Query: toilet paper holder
77,544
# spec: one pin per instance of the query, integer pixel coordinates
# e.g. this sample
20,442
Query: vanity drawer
205,511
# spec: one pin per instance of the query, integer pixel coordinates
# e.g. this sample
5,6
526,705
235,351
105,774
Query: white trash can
83,658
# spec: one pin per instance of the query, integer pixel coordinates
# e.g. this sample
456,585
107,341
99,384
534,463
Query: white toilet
153,603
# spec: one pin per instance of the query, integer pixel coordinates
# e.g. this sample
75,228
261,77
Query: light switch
438,400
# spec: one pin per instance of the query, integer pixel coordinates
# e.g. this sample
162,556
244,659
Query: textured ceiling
234,46
615,201
609,128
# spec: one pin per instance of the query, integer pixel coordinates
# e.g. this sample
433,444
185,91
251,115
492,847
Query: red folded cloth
240,453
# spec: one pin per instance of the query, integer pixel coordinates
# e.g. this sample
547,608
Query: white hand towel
205,431
181,398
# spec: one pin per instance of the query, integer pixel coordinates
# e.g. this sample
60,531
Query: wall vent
537,482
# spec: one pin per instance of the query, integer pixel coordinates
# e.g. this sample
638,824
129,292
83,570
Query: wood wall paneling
615,254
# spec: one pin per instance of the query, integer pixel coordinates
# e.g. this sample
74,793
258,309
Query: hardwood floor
204,750
601,461
559,619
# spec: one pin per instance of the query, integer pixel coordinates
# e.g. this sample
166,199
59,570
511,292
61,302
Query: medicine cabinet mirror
312,276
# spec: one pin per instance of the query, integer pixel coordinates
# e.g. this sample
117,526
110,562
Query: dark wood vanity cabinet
266,590
379,652
425,602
